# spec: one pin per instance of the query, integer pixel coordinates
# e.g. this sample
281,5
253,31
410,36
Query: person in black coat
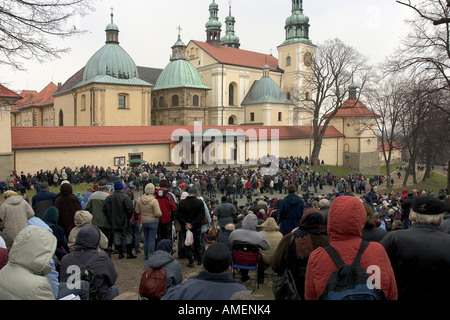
420,256
118,209
190,216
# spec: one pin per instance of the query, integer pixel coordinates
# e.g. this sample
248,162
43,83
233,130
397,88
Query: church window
83,102
154,103
252,116
175,102
280,116
61,118
231,120
123,101
161,102
288,61
195,101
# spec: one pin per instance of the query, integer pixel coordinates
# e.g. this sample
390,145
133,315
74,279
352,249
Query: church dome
179,74
265,90
111,60
296,19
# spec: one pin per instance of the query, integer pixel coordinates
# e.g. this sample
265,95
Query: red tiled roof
34,98
7,93
60,137
353,108
239,57
395,146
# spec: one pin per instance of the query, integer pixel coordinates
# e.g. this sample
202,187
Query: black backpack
349,282
86,274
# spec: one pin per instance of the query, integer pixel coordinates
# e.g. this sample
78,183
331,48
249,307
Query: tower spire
213,26
230,39
297,25
112,31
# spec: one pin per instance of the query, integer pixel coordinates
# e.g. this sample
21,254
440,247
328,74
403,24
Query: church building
136,109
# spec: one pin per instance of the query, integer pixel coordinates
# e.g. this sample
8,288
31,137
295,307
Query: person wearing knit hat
14,214
214,282
118,185
118,209
422,252
148,207
190,215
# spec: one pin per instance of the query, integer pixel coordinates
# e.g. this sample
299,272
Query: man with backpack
346,220
161,272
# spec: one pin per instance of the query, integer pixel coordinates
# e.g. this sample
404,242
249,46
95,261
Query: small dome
265,90
111,60
297,19
179,74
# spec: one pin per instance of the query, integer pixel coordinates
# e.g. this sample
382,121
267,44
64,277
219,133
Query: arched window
175,102
161,101
61,118
231,95
154,103
195,101
252,116
232,120
288,61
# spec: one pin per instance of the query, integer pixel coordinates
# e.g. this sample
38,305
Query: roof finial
112,15
179,31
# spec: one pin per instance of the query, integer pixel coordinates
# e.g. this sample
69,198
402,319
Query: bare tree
425,51
388,99
334,67
26,28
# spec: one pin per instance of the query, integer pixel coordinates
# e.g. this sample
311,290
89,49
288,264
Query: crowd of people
152,207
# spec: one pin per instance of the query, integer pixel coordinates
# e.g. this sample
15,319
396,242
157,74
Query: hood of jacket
33,248
88,238
15,200
346,218
82,218
250,222
51,215
146,198
270,225
159,259
66,189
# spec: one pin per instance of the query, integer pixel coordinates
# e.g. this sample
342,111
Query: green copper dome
111,60
213,22
297,25
264,91
230,39
179,74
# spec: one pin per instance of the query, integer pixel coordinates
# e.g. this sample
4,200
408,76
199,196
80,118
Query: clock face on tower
307,59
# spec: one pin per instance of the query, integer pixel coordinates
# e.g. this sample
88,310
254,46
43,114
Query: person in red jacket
346,220
168,210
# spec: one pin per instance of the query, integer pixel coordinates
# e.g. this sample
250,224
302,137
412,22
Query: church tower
230,39
213,26
295,56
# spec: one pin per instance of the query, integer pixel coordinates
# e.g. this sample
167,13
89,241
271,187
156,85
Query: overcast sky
148,29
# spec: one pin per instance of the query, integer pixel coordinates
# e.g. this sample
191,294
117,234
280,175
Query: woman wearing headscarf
67,204
294,249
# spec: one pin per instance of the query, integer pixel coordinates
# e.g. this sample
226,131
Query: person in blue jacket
290,211
214,282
